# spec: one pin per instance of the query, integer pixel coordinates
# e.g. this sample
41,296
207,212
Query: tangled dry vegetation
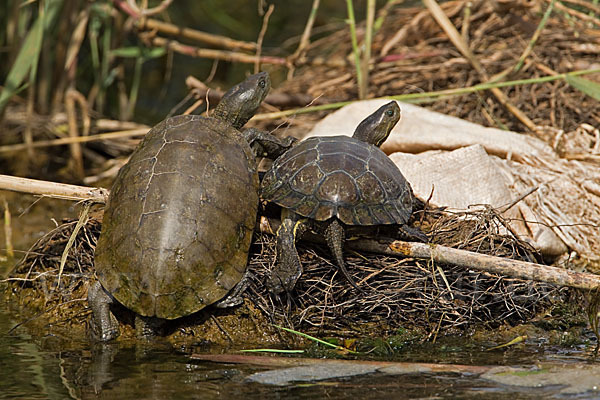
398,292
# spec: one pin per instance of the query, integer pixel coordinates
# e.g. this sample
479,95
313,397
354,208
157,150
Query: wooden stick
53,189
192,34
215,54
261,37
482,262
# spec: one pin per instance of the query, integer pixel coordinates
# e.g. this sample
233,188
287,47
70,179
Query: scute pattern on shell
339,176
180,217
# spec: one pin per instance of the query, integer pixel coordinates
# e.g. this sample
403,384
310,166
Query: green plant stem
105,65
323,342
418,97
355,49
135,86
364,86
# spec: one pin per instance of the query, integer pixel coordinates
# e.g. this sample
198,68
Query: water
46,367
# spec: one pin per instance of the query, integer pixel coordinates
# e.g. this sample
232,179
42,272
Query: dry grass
398,292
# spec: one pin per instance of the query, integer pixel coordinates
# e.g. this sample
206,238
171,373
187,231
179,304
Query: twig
261,37
483,262
366,59
79,139
192,34
215,54
355,49
305,39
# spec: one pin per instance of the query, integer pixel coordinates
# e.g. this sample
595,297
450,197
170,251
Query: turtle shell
179,220
342,177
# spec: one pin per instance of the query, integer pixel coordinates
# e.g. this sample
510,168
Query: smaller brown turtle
329,183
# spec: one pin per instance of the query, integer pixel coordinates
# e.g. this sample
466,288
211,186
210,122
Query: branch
215,54
192,34
53,189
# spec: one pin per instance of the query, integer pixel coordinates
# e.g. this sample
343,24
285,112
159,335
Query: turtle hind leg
288,267
234,297
334,233
104,324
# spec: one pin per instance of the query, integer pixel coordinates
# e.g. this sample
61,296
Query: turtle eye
390,113
262,83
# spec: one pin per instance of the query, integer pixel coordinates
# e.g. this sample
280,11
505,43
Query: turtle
329,184
180,216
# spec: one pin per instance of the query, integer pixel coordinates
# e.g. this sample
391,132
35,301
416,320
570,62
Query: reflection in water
45,367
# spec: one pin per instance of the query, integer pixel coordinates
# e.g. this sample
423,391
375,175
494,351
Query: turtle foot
413,234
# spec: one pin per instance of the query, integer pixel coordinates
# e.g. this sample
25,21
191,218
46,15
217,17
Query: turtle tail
335,239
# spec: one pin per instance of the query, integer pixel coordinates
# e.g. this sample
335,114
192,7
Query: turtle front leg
334,233
266,145
288,267
104,324
413,234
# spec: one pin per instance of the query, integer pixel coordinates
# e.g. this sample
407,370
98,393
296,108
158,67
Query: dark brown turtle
180,216
327,183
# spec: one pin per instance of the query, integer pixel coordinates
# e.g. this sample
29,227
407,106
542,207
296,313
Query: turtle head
240,102
377,127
